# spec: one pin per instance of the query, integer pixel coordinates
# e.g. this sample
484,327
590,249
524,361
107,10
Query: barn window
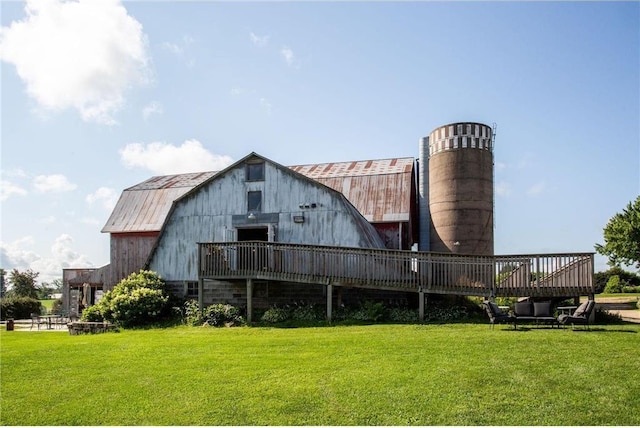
255,171
191,289
254,201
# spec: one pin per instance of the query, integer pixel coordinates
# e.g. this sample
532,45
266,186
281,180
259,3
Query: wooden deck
539,275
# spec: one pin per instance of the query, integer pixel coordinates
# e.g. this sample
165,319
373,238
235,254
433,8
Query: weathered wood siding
206,213
129,253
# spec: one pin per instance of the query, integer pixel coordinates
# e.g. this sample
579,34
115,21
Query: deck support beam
249,300
421,298
329,302
201,294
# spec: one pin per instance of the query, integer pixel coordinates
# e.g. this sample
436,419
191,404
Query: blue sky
98,96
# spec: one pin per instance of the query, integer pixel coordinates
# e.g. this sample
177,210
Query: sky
97,96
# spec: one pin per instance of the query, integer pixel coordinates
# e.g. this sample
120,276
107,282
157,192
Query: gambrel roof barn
158,223
303,229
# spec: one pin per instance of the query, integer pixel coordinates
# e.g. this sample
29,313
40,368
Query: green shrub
302,312
144,278
19,307
617,284
602,316
137,300
614,285
192,313
369,311
93,314
56,307
138,307
275,315
445,313
219,315
403,315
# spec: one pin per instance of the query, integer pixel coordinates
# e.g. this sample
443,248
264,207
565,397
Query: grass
47,304
632,297
453,374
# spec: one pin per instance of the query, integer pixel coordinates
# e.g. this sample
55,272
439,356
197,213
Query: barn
158,223
259,233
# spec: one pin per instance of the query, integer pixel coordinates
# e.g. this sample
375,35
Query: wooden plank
557,274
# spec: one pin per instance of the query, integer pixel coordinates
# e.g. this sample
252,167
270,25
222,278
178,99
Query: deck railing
521,275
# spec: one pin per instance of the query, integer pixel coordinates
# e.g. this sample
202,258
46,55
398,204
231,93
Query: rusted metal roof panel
379,189
189,180
144,207
359,168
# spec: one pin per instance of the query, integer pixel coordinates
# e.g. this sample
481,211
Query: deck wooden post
329,301
249,300
421,304
201,294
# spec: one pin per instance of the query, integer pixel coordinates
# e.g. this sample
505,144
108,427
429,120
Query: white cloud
238,91
164,158
7,189
14,173
503,189
106,195
259,41
172,47
19,255
178,48
536,189
150,109
77,54
266,104
56,183
288,55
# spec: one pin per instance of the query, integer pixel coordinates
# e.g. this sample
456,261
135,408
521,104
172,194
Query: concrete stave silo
456,189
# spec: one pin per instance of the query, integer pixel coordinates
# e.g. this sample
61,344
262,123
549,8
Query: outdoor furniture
580,316
566,309
537,312
496,315
37,320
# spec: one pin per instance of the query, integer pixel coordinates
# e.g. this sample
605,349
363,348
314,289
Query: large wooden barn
258,233
157,224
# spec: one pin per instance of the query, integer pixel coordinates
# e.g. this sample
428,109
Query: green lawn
454,374
47,304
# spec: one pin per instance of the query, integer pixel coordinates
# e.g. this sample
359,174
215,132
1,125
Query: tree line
24,284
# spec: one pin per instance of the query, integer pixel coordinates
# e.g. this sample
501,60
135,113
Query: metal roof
145,206
189,180
379,189
356,168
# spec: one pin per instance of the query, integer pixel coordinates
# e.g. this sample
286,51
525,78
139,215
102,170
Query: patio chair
61,320
497,316
37,320
580,316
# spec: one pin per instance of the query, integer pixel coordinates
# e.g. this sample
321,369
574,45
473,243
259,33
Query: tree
3,284
23,283
622,237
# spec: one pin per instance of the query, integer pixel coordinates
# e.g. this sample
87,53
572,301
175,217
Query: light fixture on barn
251,217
